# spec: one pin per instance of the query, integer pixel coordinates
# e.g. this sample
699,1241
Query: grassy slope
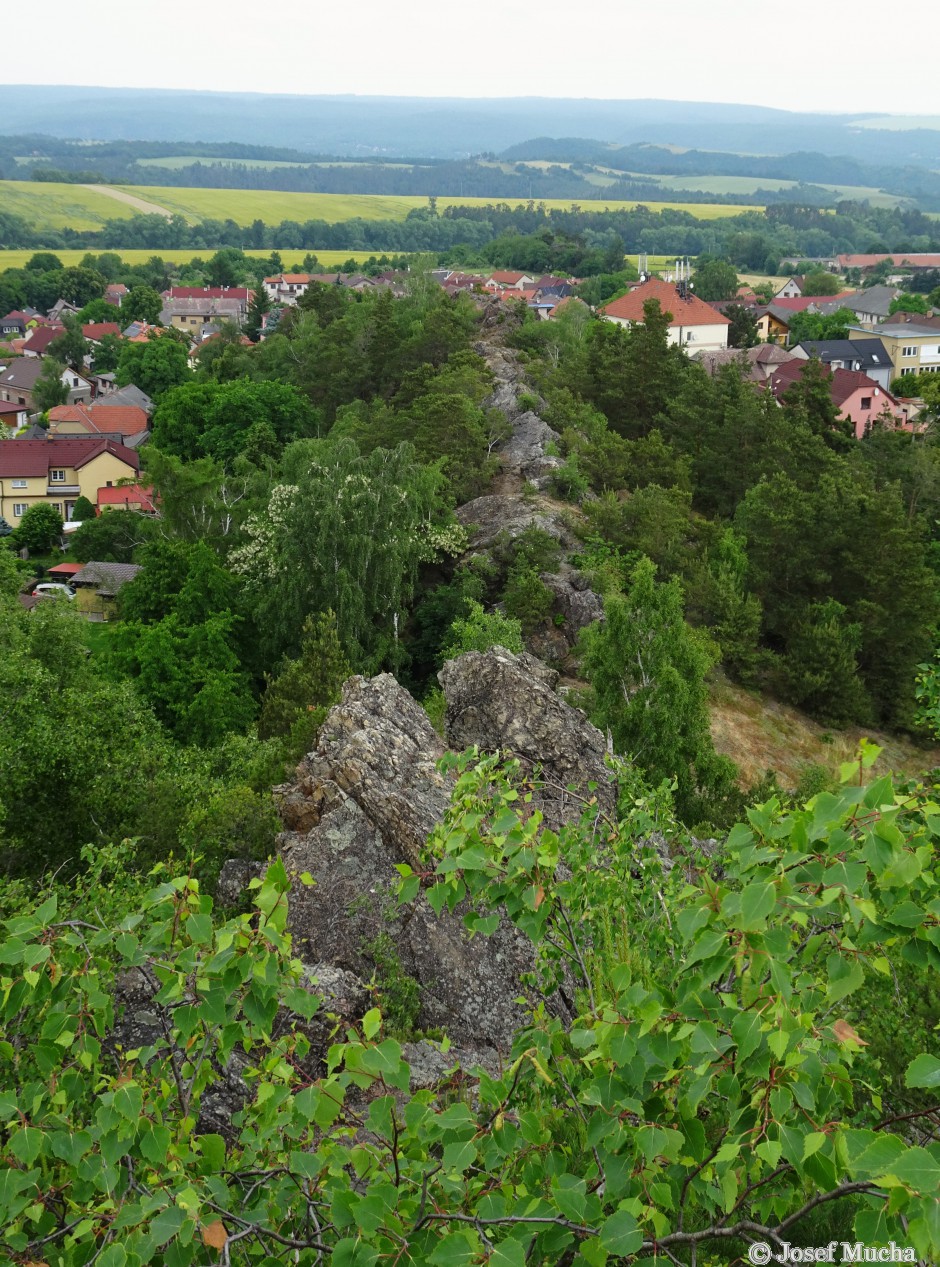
760,734
54,206
58,206
246,205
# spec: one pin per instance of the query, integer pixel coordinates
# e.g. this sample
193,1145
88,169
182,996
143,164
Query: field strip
139,204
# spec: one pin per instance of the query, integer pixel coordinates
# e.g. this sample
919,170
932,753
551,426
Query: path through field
146,208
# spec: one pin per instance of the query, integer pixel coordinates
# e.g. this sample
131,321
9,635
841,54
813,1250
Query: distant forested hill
442,127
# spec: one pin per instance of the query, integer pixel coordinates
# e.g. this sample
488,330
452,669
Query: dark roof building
105,578
22,459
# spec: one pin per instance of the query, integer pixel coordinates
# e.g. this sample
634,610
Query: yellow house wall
102,469
89,478
35,491
89,603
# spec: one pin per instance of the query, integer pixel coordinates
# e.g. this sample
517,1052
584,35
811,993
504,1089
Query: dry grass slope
760,734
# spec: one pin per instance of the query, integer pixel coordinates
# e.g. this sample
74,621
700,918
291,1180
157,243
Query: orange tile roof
127,420
683,312
127,494
98,329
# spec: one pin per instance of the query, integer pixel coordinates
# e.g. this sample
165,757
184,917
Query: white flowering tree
345,532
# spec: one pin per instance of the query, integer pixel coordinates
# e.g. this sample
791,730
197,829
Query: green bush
527,598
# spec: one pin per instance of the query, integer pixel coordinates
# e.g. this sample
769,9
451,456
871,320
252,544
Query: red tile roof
40,338
98,329
65,569
294,279
127,495
208,292
20,459
684,312
509,279
128,420
842,383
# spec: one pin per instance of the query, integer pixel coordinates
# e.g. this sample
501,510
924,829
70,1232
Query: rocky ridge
368,797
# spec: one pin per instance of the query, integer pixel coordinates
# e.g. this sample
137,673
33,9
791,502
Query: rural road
146,208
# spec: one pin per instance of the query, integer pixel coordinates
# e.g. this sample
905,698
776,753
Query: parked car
54,589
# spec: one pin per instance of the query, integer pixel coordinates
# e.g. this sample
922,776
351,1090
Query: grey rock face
378,746
498,700
508,514
579,605
524,453
368,798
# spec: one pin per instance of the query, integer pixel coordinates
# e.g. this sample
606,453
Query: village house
95,331
12,417
510,281
913,348
858,398
187,307
869,356
773,323
115,293
129,395
57,471
18,382
128,424
286,288
37,341
97,586
916,259
872,306
756,363
62,308
190,314
15,324
693,324
792,288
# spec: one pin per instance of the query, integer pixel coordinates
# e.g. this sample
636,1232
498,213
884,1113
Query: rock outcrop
367,798
525,452
497,700
505,516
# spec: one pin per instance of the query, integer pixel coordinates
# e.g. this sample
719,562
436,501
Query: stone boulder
497,700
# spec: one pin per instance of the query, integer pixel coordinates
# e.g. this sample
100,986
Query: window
19,509
75,382
18,483
57,477
912,351
908,370
57,506
866,402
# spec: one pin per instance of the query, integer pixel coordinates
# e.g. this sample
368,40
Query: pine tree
258,309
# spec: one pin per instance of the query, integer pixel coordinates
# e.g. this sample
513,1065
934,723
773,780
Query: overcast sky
802,55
